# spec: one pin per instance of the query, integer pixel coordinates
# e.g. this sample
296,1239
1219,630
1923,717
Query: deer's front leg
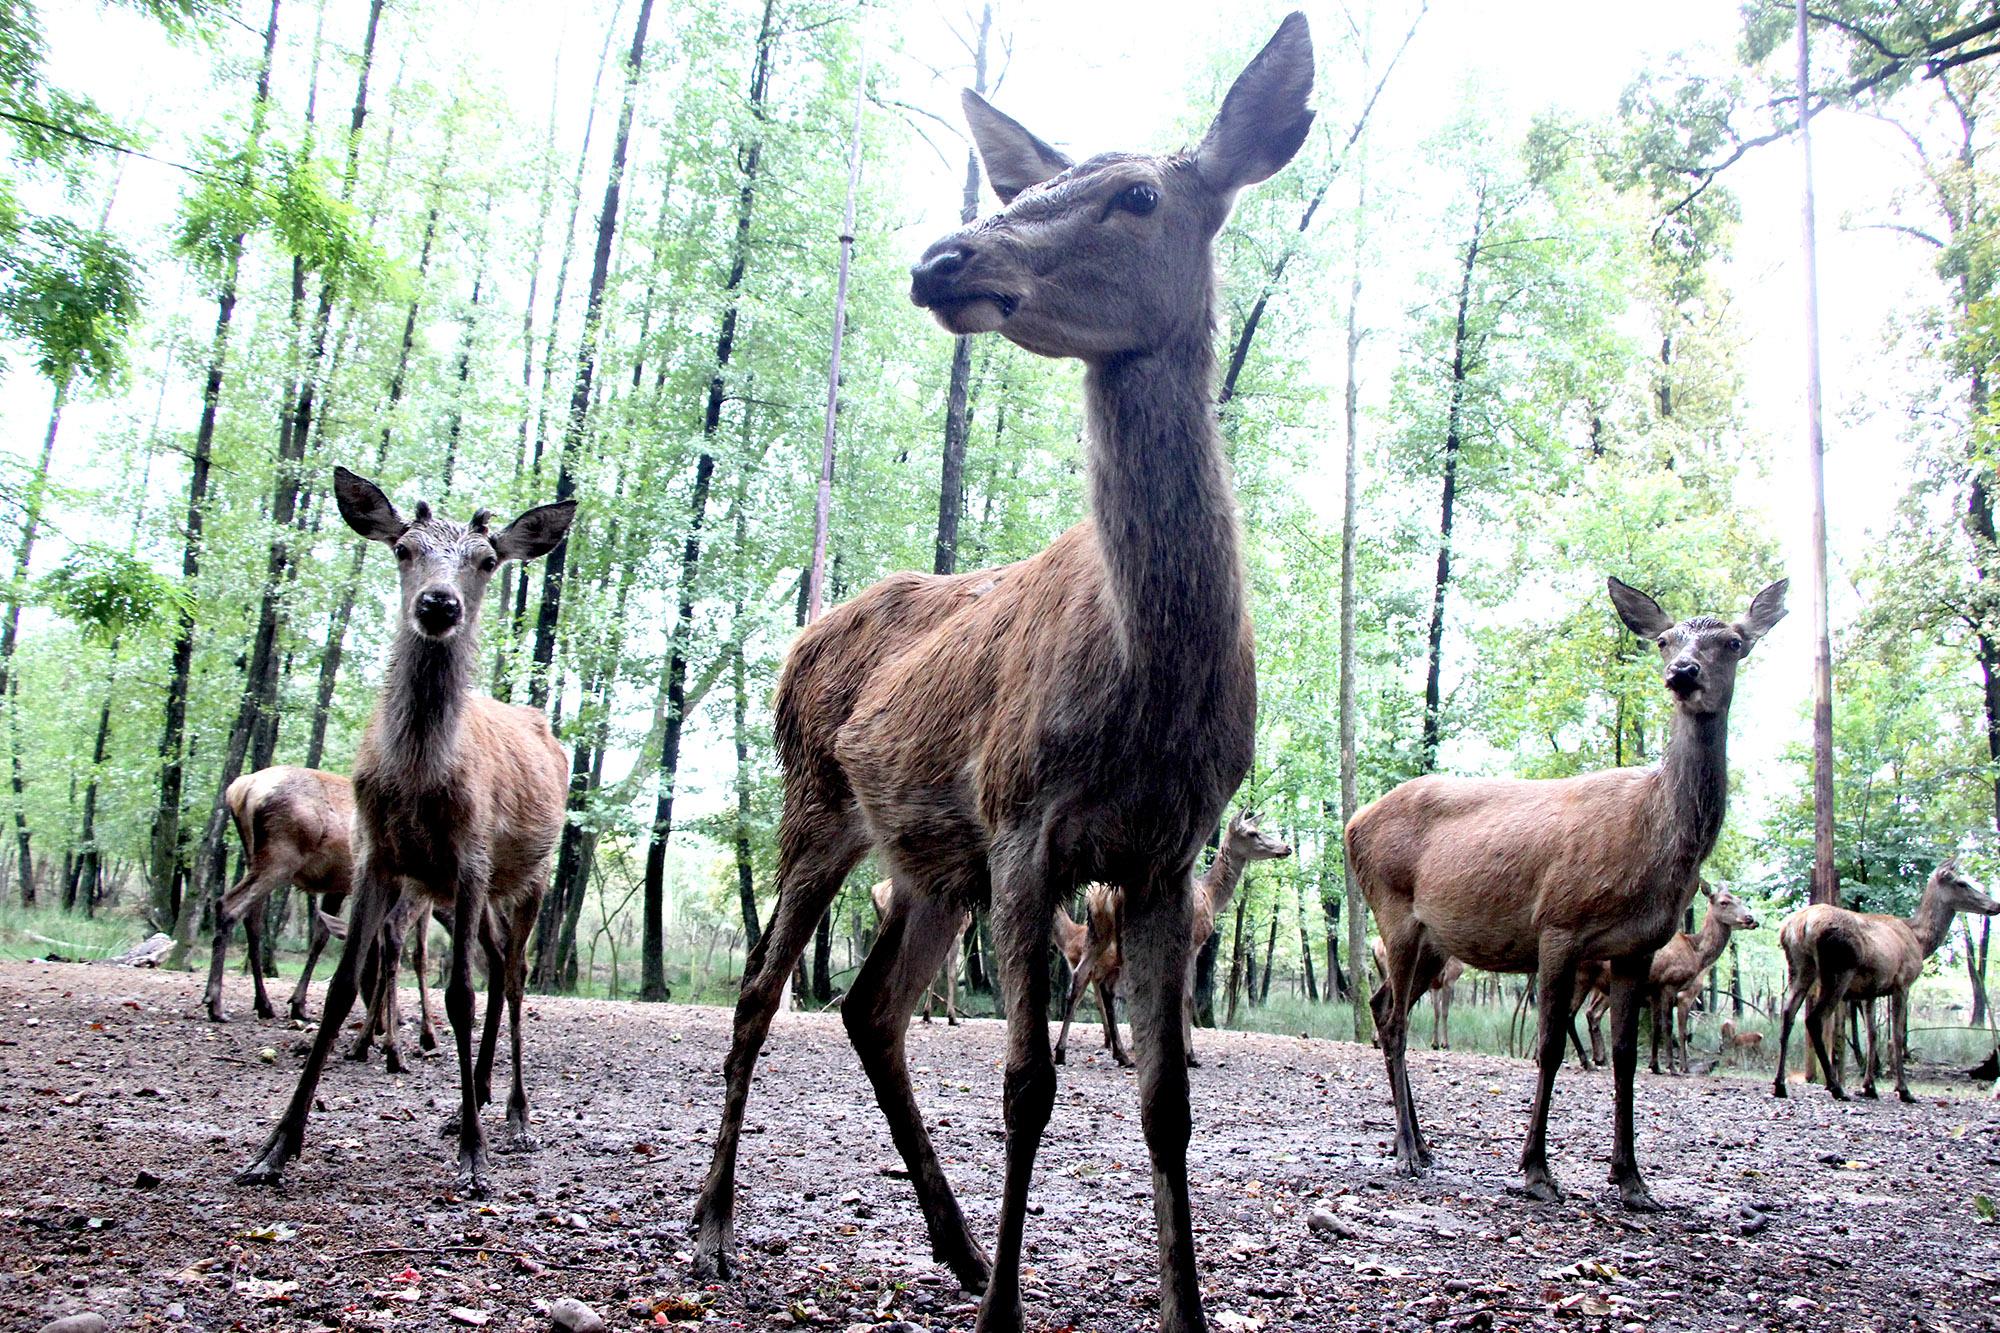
1628,981
468,908
1555,984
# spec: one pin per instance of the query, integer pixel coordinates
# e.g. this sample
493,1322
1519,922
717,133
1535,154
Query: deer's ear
1264,119
536,532
1767,608
365,508
1641,614
1015,159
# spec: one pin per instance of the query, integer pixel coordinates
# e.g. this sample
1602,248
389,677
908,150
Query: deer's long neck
1694,779
1225,872
1711,939
1166,518
1931,922
423,704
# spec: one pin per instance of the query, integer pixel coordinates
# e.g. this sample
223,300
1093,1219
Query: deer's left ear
536,532
366,509
1767,608
1264,119
1015,158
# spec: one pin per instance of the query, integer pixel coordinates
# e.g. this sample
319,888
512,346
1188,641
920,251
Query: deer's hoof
427,1039
215,1014
269,1168
968,1264
1537,1184
712,1259
358,1052
998,1315
1193,1063
1870,1094
392,1060
1778,1089
1059,1056
1837,1092
518,1140
1637,1198
1905,1095
299,1014
472,1182
449,1129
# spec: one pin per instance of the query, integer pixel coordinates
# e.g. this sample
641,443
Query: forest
1475,356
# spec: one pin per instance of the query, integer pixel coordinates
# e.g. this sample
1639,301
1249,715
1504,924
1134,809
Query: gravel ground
125,1116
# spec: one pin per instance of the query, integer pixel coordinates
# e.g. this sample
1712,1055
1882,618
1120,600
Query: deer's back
1882,952
302,815
1490,865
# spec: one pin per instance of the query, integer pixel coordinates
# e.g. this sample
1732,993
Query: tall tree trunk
1453,440
1825,885
1270,954
653,915
10,682
167,870
957,413
550,611
1305,943
1357,906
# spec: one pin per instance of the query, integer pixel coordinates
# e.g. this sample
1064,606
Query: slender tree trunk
1825,886
10,683
653,922
1236,964
550,611
167,870
1357,907
1453,440
1305,944
957,413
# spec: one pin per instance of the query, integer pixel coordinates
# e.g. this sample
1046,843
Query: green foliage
108,593
73,297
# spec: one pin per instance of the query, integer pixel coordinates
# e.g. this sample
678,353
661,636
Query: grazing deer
883,895
1734,1041
1832,954
1513,875
1441,987
1242,843
458,796
294,826
1081,716
1673,982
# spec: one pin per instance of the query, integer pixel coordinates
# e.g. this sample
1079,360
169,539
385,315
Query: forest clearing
128,1115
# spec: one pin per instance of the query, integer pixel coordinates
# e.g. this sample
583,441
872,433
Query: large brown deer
1675,977
883,895
1083,715
1441,988
458,796
1832,954
1513,875
1095,958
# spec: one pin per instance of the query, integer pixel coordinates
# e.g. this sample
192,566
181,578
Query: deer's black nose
1683,676
438,610
930,277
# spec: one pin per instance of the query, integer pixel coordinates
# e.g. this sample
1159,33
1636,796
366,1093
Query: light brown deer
1081,716
883,896
457,796
1675,978
1242,843
1441,987
293,823
1734,1042
1832,954
1512,875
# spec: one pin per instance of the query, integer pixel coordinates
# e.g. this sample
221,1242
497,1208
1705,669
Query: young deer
1832,954
1734,1041
457,795
883,895
1525,876
1674,979
294,826
1441,987
1083,715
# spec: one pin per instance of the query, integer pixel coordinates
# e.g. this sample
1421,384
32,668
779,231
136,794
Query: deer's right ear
365,508
1767,608
1264,119
1015,159
536,532
1641,614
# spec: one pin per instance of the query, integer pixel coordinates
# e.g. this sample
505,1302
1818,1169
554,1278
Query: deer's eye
1735,645
490,563
1137,200
402,552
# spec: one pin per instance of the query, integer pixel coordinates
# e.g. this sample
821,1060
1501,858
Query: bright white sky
1114,73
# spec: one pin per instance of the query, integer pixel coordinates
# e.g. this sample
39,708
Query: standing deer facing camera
457,795
1083,715
1535,876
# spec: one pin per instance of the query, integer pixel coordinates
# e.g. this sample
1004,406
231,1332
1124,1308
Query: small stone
1322,1222
82,1322
571,1315
269,1055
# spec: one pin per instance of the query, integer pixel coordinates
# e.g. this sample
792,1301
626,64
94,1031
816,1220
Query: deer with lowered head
1675,977
295,824
1516,875
1084,715
457,796
1832,954
883,896
1094,954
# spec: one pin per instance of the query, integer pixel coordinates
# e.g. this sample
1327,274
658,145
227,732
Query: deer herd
1001,740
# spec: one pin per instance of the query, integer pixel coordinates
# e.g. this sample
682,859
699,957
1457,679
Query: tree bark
1305,944
1270,955
957,413
10,682
1453,441
1236,977
653,924
167,871
1357,907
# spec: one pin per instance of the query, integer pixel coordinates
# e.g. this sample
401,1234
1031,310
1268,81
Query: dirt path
125,1115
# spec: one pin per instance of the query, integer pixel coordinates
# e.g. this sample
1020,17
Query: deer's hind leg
1804,974
1555,984
242,902
1628,982
1080,978
518,1139
898,970
818,844
318,932
1414,963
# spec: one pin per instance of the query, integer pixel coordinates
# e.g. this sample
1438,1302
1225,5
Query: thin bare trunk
1357,907
1825,886
957,406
